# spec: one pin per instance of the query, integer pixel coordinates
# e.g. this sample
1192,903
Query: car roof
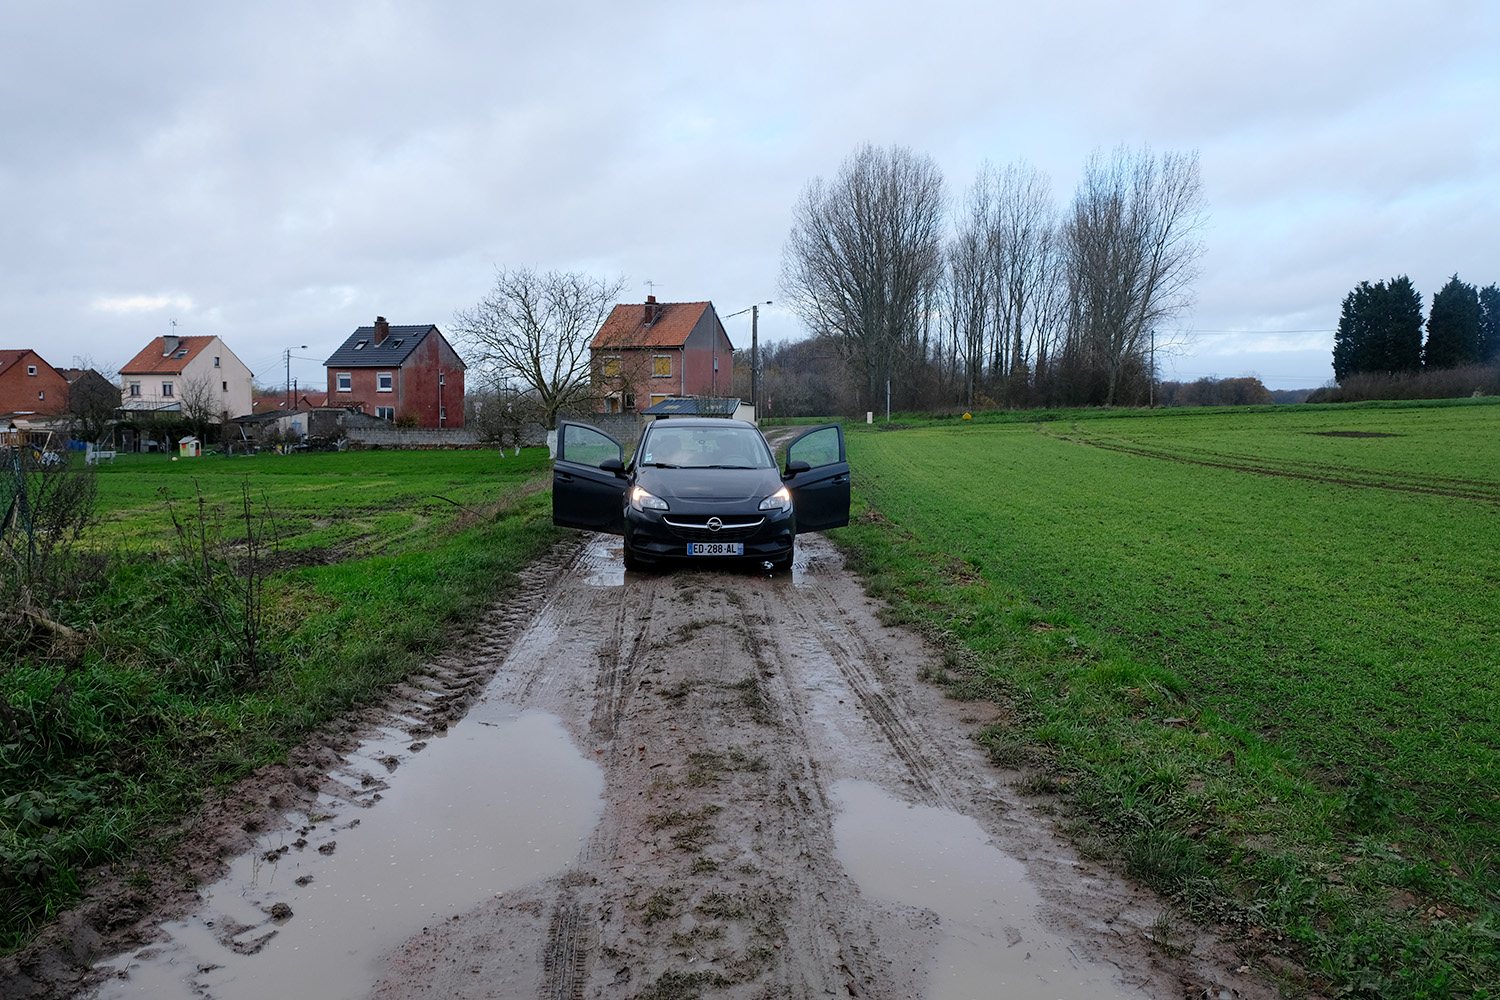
685,422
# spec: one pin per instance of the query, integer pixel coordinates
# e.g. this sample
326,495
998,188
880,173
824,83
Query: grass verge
1252,654
152,705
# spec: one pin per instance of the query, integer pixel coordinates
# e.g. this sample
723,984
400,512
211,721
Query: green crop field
1257,651
147,674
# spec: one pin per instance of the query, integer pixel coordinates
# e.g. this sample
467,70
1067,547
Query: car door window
586,446
820,447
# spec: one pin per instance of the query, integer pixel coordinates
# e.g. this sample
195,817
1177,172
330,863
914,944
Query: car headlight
641,500
780,500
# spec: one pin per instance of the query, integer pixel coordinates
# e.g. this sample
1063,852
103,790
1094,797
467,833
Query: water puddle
503,800
992,943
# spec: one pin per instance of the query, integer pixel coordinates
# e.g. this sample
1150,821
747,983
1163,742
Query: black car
701,488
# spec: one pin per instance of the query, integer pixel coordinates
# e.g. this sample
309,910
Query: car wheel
632,563
782,565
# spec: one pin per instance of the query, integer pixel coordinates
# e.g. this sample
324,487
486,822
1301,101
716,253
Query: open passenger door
588,481
817,476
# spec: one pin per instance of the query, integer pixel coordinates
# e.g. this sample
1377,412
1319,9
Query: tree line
1381,325
1006,299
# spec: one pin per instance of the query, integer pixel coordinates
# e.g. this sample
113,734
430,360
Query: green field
370,562
1256,650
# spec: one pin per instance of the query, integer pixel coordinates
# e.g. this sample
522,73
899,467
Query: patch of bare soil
725,709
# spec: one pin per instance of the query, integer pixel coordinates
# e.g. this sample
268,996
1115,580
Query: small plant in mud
676,985
752,697
704,865
660,905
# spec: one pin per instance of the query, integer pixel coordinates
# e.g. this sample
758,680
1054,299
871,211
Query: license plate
716,548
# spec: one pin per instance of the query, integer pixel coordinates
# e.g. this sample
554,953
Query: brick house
30,385
647,352
399,371
173,373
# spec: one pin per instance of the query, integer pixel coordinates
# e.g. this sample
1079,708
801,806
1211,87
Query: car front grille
696,527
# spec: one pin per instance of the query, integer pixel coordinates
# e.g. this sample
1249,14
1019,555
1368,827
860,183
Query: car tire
783,565
632,562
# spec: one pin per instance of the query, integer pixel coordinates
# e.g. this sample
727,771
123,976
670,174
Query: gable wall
18,391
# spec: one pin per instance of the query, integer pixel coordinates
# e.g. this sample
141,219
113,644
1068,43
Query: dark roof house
399,372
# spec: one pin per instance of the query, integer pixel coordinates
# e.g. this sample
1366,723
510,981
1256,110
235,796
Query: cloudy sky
280,173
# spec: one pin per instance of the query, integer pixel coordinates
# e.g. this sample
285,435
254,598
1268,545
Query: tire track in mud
722,709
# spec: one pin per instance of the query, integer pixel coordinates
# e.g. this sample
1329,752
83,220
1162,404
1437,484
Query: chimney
169,344
652,309
382,330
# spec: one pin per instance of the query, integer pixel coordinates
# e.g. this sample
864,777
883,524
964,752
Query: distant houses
29,386
198,376
646,353
407,374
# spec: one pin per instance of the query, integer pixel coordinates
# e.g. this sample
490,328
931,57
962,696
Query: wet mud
698,783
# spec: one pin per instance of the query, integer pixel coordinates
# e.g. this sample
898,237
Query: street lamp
287,357
754,312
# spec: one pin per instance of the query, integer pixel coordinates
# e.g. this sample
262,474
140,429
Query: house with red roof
177,373
397,372
28,385
651,351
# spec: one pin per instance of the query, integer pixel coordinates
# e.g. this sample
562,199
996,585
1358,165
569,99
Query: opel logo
714,524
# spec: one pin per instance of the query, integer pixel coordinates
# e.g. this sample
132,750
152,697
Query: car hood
719,485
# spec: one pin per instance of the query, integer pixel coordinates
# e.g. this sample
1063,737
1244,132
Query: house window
661,366
135,388
31,369
345,382
611,367
383,381
396,342
657,399
361,345
181,354
166,388
630,401
216,361
385,412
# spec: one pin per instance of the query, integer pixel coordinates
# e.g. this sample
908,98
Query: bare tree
201,403
536,329
863,257
1132,253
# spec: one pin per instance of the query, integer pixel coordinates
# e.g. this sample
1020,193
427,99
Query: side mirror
793,468
613,465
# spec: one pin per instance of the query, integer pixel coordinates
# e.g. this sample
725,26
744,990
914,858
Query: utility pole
286,355
755,359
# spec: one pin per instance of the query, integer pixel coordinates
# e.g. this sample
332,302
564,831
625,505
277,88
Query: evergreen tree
1380,329
1351,341
1402,327
1453,327
1489,325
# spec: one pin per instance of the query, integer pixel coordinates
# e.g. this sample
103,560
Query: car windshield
726,447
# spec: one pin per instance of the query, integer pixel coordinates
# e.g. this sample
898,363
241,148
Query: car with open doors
701,488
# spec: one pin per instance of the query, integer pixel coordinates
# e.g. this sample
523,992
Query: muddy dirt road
699,783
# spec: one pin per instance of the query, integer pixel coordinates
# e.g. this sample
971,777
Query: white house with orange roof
177,373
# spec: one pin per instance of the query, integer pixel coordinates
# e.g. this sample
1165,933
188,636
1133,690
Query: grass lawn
1257,650
371,562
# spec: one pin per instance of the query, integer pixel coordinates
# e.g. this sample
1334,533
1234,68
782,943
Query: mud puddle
503,799
991,942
